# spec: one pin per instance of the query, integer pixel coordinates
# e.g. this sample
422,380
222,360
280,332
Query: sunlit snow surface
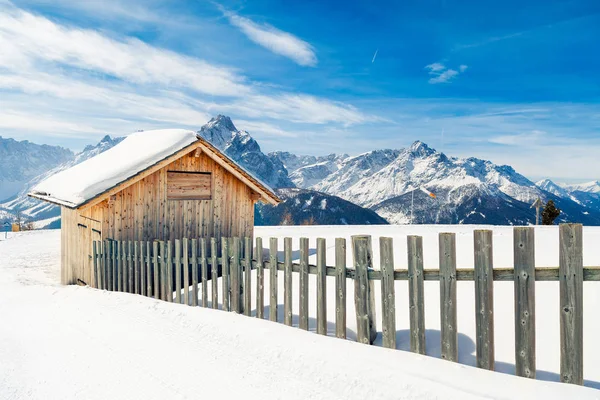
74,342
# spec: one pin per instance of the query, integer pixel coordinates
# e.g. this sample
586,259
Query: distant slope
21,161
303,205
33,209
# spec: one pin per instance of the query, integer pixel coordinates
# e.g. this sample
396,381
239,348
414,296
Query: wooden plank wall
143,212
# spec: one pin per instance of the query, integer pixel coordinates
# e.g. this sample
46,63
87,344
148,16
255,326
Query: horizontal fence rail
180,271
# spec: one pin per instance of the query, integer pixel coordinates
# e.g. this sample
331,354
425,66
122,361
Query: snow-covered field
61,342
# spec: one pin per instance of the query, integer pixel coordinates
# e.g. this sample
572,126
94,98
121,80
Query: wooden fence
183,270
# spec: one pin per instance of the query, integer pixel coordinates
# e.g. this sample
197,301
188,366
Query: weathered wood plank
571,303
107,268
448,309
204,271
248,276
260,280
273,281
96,274
214,273
484,298
416,294
388,293
524,277
150,288
340,288
185,261
118,267
178,298
303,311
321,287
225,273
136,273
287,281
363,261
130,274
194,259
156,271
235,276
169,271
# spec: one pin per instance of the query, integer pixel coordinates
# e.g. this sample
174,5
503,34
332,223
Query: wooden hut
154,185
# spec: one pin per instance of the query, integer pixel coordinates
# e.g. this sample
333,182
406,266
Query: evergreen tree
550,213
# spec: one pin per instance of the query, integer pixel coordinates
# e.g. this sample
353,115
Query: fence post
142,268
449,335
321,287
340,288
214,273
178,271
194,292
273,279
235,277
303,314
106,265
248,276
363,290
260,280
130,275
118,267
204,271
95,253
157,290
150,288
571,303
484,298
185,264
225,273
416,291
287,281
524,275
136,273
169,272
388,294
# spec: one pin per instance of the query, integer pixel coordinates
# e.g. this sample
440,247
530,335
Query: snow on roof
138,152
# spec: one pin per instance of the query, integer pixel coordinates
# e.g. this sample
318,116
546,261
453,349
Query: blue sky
515,82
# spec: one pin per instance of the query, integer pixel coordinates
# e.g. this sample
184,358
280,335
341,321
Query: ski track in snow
60,342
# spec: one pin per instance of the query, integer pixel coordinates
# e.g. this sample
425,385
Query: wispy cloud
442,74
274,40
94,82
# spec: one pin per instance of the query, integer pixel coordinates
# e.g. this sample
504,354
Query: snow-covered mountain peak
219,131
588,187
420,149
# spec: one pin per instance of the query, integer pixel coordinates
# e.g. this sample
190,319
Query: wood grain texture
225,274
156,271
416,292
340,288
321,287
524,277
448,309
247,276
169,271
260,280
236,302
189,185
204,271
287,281
185,260
363,261
195,278
178,298
303,292
484,298
214,273
273,280
388,293
571,303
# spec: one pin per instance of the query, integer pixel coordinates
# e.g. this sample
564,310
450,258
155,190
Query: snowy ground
74,342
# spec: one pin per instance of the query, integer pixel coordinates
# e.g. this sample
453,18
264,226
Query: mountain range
380,185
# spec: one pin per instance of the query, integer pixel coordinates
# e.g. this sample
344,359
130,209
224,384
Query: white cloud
33,40
275,40
523,139
442,74
104,83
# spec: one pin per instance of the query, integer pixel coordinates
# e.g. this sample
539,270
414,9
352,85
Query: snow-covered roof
139,152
